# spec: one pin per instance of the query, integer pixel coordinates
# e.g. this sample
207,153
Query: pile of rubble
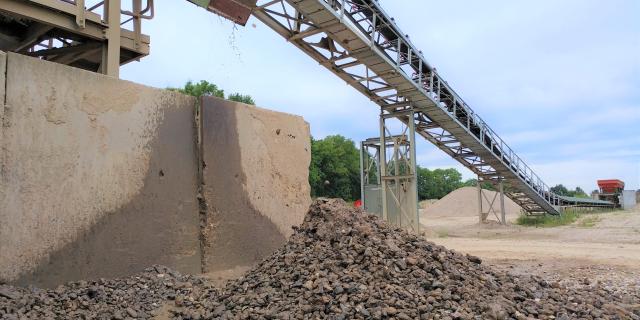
135,297
340,264
344,264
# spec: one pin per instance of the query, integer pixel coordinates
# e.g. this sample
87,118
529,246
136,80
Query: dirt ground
597,249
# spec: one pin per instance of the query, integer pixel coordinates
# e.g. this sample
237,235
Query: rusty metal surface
237,11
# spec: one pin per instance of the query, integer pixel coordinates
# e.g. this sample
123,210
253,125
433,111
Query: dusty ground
598,249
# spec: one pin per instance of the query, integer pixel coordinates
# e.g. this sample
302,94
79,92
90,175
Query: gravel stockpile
135,297
343,264
340,264
463,202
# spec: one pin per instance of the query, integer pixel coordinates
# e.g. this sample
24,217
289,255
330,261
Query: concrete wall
98,176
628,199
255,181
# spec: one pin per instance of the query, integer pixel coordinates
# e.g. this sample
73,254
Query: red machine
610,186
610,190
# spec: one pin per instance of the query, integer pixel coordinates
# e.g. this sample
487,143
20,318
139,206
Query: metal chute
237,11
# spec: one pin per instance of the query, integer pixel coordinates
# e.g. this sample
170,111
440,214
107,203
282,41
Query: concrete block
255,181
99,176
628,199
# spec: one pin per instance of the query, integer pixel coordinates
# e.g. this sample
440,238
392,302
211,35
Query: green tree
202,88
244,98
580,193
560,190
470,183
335,169
435,184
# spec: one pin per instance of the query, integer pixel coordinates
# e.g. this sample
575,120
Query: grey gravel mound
139,296
340,264
344,264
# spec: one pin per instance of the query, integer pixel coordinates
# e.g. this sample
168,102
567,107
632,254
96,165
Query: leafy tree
560,190
244,98
202,88
580,193
205,88
470,183
335,169
563,191
435,184
485,185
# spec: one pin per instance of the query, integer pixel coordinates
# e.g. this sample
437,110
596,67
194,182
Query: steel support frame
391,72
317,42
483,213
370,182
74,21
398,171
111,49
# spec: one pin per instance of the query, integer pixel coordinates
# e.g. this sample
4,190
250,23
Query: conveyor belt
362,45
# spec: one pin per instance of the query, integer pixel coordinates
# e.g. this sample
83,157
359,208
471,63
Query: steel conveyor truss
362,45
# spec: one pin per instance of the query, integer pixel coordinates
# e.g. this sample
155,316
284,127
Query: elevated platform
67,32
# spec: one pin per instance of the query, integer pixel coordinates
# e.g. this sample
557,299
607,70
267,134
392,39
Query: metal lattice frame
359,43
483,212
369,163
388,175
398,174
88,34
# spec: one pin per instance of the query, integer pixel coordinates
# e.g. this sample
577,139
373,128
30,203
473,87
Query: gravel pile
344,264
140,296
340,264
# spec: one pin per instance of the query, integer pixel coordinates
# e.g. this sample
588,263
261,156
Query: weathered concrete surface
3,74
255,181
98,176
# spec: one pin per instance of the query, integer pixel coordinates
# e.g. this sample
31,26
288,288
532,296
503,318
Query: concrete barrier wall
256,185
99,176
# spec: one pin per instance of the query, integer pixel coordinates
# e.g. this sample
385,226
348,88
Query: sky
559,81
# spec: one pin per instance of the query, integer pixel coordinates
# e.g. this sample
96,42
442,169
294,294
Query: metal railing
382,32
362,45
134,16
136,12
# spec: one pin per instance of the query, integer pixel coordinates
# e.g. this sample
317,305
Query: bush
548,221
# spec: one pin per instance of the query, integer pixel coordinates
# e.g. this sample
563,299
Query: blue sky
558,80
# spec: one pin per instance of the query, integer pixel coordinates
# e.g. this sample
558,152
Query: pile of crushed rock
139,296
340,264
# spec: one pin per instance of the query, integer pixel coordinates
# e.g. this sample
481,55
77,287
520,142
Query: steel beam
111,49
53,21
384,186
503,213
479,191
